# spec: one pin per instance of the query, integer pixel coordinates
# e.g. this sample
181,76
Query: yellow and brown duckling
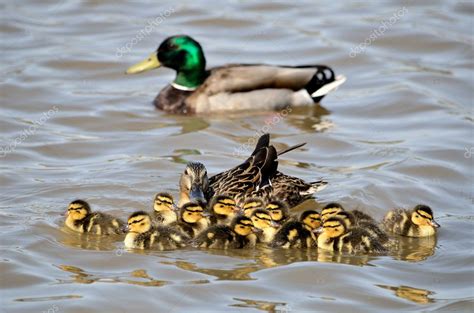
193,219
373,229
298,234
142,234
252,204
331,209
262,221
419,222
164,209
278,211
240,234
232,87
223,210
335,236
81,219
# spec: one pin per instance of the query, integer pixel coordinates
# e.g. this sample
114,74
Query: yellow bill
148,64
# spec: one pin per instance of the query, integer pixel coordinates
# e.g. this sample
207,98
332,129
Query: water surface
398,133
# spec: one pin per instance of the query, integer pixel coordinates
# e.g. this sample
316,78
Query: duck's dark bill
148,64
196,194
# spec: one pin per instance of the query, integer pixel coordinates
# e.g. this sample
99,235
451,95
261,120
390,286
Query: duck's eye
186,172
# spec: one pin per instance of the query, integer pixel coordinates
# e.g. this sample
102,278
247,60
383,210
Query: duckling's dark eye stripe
331,226
424,215
137,221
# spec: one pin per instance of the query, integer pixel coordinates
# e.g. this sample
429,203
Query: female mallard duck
192,219
278,211
223,209
419,222
262,221
240,234
232,87
252,204
164,209
335,236
141,234
253,178
81,219
298,234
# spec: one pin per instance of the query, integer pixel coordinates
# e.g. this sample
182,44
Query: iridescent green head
181,53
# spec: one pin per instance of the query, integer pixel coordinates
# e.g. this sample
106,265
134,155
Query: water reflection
136,277
268,306
413,294
89,241
414,249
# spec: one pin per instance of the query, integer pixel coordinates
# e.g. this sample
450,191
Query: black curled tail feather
324,75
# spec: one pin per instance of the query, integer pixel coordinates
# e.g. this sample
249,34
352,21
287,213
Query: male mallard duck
223,209
419,222
262,220
252,204
278,211
240,234
298,234
192,219
143,235
81,219
335,236
232,87
164,212
253,178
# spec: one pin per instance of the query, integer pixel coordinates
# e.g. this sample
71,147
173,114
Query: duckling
164,209
330,210
223,209
262,220
335,236
252,204
238,235
358,217
350,221
82,220
192,219
143,235
419,222
298,234
232,87
278,211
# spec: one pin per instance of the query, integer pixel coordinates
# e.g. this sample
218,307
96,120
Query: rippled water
399,132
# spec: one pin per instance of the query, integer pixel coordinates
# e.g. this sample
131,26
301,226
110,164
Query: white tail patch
340,79
315,188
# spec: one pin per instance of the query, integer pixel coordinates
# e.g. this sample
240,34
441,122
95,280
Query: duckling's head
422,215
311,218
262,219
346,217
333,227
242,225
78,210
330,210
278,210
224,205
192,212
139,222
164,202
193,183
250,205
181,53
